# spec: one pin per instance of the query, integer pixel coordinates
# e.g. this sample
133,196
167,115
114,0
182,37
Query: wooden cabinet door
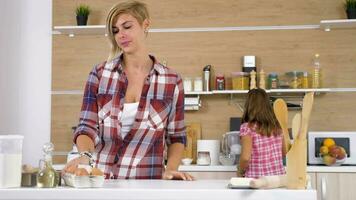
340,186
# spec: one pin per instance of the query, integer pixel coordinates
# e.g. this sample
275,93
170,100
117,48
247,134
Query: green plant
82,10
350,4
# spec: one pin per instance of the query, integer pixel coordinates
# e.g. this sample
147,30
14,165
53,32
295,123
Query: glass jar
295,79
187,84
273,81
240,80
198,84
47,177
305,80
219,82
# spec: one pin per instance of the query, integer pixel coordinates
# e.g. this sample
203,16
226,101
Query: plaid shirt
266,157
159,120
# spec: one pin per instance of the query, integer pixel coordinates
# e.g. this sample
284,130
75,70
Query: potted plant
82,12
350,8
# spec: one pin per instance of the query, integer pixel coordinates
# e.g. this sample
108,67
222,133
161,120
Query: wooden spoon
281,112
307,108
296,125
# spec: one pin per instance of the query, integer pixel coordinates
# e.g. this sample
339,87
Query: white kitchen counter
158,189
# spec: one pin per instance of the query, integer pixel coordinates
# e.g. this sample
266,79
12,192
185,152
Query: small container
305,80
220,82
295,79
198,84
273,82
10,160
187,84
240,80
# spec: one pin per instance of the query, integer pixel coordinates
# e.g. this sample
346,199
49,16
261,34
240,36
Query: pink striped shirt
266,157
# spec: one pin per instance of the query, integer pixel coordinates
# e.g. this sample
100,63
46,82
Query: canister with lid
240,80
295,79
219,82
273,80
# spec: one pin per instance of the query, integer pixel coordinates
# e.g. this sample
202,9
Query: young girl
261,138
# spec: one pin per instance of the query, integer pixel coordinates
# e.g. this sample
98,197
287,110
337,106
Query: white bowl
227,159
83,181
187,161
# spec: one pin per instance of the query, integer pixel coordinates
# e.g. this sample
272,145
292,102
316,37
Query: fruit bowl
331,161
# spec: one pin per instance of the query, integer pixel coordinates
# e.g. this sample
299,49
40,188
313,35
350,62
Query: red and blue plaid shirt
266,157
159,120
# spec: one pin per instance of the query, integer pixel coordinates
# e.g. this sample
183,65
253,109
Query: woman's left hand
176,175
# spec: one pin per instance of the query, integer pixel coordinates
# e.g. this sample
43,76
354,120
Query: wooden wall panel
188,53
195,13
65,115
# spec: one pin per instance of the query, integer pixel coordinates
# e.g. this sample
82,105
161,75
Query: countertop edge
222,168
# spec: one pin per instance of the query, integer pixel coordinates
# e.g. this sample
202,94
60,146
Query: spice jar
198,84
305,80
295,79
240,80
273,80
219,82
187,84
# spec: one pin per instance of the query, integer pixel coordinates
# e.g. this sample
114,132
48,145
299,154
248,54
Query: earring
146,31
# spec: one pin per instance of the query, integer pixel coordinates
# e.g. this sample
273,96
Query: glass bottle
305,82
220,82
47,176
316,75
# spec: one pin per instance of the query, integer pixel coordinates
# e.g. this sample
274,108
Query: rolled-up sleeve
88,121
176,132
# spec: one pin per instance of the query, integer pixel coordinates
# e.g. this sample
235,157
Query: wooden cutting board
193,135
281,111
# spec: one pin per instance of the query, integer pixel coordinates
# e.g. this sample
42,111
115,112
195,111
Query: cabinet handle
323,188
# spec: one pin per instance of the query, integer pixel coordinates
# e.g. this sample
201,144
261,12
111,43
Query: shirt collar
156,69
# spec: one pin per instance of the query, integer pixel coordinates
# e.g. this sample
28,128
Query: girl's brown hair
137,9
258,111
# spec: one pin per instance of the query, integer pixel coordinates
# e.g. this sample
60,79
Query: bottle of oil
316,75
47,176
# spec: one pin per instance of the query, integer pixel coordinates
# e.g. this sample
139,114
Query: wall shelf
100,29
320,90
326,25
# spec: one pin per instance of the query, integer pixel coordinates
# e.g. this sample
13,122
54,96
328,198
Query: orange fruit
328,142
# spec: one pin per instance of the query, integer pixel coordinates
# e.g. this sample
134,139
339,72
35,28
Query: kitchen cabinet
340,186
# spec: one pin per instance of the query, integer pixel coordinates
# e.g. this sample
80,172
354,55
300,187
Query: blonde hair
135,8
258,111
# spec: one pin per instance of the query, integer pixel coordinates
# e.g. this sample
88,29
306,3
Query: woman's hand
176,175
72,165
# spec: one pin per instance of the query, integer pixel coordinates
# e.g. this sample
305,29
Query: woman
261,138
132,106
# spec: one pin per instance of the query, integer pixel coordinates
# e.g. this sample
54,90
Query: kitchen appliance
249,63
345,139
208,149
10,160
231,148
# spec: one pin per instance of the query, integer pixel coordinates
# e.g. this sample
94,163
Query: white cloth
128,117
